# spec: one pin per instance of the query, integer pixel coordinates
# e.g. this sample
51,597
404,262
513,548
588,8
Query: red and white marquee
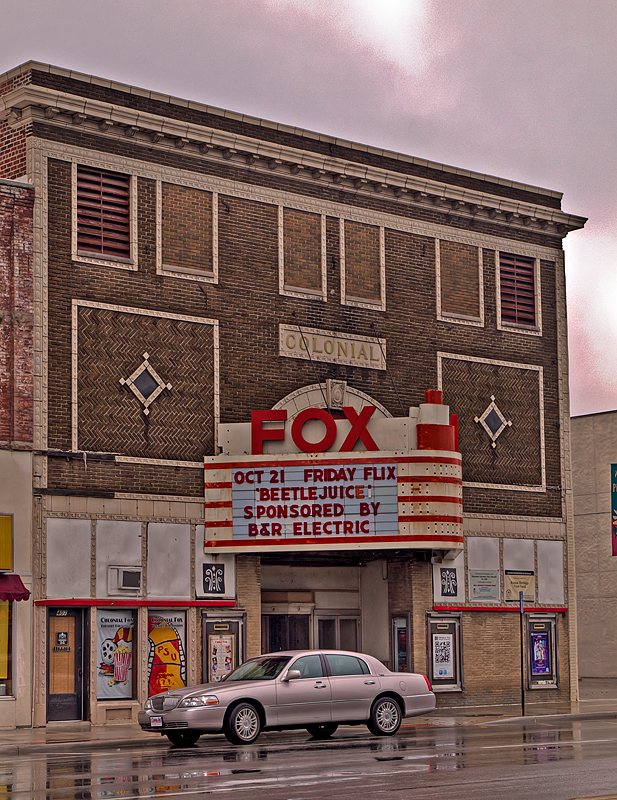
340,490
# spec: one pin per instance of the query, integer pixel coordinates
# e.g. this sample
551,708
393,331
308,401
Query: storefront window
167,651
6,648
115,634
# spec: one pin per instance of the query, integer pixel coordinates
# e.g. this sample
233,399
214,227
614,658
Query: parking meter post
520,595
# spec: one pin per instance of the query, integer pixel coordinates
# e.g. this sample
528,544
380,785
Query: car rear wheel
183,738
323,731
386,717
243,724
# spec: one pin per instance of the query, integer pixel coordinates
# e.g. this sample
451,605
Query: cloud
521,89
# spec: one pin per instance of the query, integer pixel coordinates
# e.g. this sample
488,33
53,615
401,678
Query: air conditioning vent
123,580
130,579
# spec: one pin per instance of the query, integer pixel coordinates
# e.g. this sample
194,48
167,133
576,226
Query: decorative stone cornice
30,103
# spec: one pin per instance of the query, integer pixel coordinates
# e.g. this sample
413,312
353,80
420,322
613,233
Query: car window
346,665
259,669
309,666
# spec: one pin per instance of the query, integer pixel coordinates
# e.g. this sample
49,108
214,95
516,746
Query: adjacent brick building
387,318
16,444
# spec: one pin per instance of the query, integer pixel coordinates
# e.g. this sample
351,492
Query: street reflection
289,760
546,745
69,776
115,773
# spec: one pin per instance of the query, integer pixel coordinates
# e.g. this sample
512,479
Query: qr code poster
443,655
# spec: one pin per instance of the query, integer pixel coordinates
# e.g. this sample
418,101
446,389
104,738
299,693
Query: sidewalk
598,701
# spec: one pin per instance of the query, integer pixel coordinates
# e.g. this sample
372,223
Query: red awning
11,588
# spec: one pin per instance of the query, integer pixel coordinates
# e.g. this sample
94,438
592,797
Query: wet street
535,761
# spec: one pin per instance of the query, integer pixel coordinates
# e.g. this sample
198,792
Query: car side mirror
293,675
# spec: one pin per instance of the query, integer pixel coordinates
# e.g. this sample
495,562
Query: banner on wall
614,508
166,651
114,679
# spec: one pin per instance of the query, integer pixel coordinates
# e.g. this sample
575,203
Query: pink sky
522,89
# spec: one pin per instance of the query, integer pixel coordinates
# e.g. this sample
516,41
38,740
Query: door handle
320,686
369,683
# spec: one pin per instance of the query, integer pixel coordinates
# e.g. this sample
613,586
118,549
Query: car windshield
261,669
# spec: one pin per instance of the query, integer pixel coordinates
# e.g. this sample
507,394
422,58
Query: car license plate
156,722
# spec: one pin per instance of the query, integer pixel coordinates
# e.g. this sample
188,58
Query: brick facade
16,314
228,215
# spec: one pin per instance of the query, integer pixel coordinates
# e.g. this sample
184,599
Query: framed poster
542,651
114,653
445,652
443,655
222,655
221,648
166,651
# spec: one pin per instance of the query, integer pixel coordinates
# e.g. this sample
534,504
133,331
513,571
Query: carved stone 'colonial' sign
337,348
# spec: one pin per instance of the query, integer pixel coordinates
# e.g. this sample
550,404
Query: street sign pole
520,595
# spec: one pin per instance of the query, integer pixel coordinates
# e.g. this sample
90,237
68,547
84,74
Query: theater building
289,391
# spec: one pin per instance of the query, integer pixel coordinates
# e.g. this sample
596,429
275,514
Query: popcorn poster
114,669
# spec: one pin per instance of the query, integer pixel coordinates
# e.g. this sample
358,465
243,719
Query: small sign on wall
517,581
484,584
449,585
213,578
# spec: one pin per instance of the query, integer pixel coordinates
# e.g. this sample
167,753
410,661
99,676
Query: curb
553,718
38,748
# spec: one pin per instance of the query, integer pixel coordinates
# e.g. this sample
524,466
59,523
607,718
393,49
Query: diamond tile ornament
493,421
145,383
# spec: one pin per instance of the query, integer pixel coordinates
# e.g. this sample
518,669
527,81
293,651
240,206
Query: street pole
520,595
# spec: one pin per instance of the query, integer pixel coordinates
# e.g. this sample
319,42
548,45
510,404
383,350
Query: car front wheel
243,724
386,717
183,738
323,731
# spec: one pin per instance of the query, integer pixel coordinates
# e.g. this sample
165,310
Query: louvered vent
518,303
103,212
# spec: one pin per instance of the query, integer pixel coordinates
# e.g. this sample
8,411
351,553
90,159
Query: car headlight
148,705
198,701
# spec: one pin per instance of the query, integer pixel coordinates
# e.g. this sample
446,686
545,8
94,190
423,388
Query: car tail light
428,683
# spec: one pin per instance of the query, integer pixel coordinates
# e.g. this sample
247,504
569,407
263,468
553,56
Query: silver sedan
316,690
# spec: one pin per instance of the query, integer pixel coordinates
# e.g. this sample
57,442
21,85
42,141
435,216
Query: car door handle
320,686
369,683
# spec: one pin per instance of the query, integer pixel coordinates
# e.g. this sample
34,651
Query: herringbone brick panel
516,457
180,422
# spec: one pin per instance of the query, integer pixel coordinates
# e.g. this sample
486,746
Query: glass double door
337,632
331,631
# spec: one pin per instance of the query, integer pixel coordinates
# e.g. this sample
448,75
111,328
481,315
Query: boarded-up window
459,277
362,262
187,228
517,279
6,542
302,250
103,212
